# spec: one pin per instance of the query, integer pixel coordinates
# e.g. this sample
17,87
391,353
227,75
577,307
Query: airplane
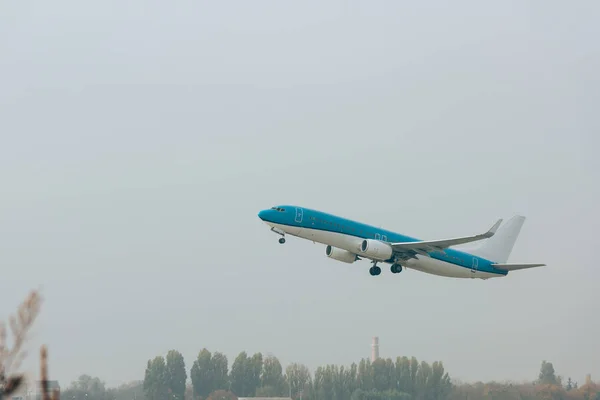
350,241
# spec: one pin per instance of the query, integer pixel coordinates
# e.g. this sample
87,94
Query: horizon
141,140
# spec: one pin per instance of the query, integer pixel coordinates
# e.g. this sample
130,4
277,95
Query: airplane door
474,265
299,215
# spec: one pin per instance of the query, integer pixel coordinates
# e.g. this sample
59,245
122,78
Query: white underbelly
437,267
352,243
339,240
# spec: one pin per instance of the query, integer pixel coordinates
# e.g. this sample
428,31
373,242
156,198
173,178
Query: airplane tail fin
498,247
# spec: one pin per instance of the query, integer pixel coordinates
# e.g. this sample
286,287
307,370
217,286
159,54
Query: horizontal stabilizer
515,267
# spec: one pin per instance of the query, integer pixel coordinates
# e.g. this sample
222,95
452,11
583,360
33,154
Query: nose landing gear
280,233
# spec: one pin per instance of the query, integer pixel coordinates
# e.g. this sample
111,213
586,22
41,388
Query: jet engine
340,255
376,250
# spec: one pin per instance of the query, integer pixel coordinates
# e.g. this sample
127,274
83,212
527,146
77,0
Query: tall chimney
375,349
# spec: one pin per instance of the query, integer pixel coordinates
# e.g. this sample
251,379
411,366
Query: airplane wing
515,267
424,246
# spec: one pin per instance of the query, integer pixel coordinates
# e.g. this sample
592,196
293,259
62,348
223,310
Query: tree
127,391
547,376
239,375
414,369
365,375
323,383
272,376
176,374
255,369
220,371
550,392
298,377
11,381
440,382
86,388
202,374
156,383
403,378
383,374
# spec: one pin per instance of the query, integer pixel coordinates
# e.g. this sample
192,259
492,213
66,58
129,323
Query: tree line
211,378
264,376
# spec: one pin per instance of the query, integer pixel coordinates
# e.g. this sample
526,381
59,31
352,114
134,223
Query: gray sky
140,139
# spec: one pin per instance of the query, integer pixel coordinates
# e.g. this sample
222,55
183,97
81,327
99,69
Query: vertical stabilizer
498,247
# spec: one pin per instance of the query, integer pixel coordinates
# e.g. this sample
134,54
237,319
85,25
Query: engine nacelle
376,250
340,254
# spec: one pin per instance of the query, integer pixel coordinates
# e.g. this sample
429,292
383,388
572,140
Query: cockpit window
278,209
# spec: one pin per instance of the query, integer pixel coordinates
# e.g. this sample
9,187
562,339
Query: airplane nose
262,214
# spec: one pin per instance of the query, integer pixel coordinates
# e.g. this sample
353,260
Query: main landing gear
375,270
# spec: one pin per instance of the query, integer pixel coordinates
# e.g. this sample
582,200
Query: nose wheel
280,233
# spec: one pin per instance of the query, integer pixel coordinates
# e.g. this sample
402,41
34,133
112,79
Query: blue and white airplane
349,241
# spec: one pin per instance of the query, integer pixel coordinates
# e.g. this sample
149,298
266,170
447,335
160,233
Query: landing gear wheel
374,271
282,240
396,268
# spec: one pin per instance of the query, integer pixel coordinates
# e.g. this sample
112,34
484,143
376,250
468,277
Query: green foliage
239,375
298,377
246,373
547,376
220,371
156,382
86,388
176,375
202,375
128,391
209,373
384,379
272,377
255,372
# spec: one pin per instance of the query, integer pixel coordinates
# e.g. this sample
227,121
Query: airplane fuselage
347,235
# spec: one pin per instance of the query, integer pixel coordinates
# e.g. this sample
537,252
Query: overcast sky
139,140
